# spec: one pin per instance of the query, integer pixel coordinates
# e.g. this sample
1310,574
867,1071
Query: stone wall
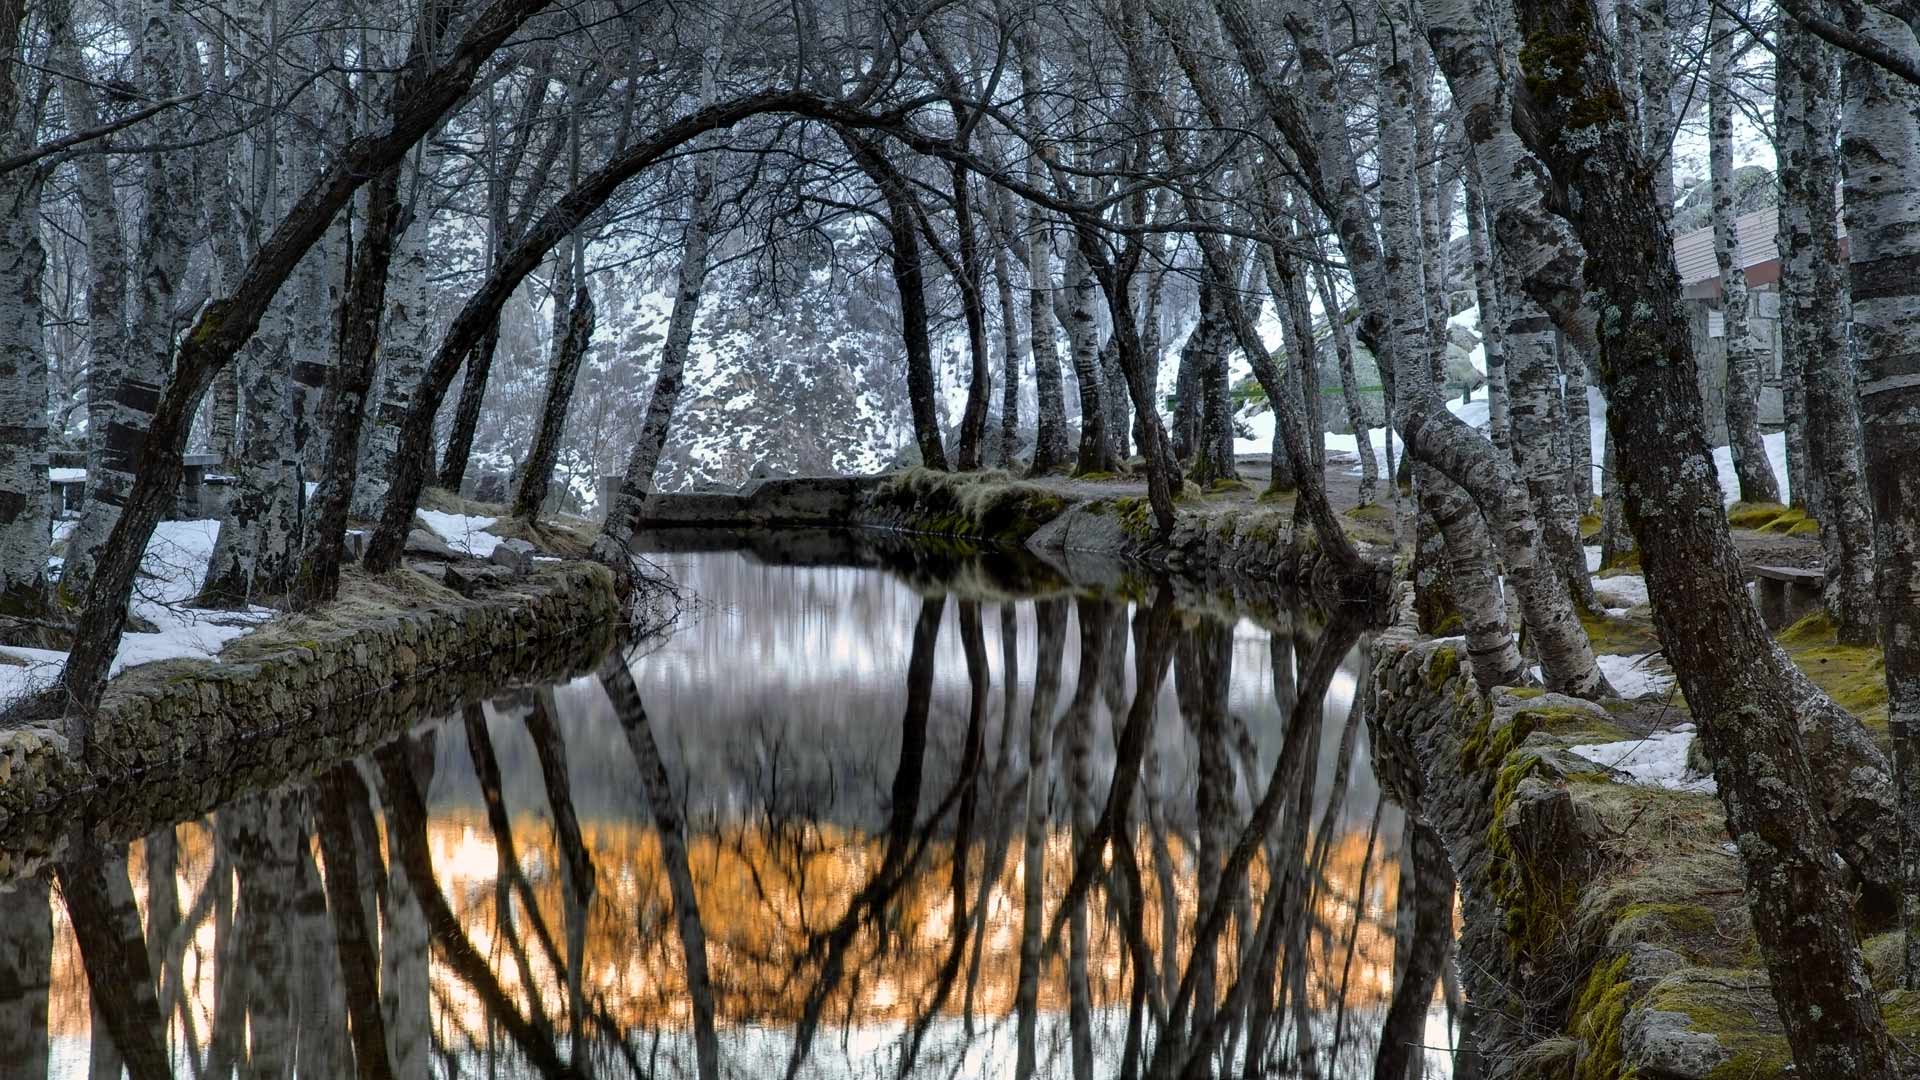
174,737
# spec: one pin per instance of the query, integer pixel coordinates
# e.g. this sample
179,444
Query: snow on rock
462,532
1659,760
66,476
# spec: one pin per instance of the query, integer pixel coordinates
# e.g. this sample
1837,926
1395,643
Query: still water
837,822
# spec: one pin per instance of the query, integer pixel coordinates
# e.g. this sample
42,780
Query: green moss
1526,693
1744,515
1734,1006
1450,625
1590,525
1094,474
1629,560
1618,637
1441,668
1784,521
1809,527
1855,676
1228,483
1596,1020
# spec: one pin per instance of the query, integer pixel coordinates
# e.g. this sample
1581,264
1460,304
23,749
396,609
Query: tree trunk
1736,681
973,303
1882,172
564,372
1083,344
159,268
1811,278
1050,617
623,517
1013,349
1750,465
909,281
406,340
1357,417
420,96
1487,293
617,681
359,322
1579,427
23,408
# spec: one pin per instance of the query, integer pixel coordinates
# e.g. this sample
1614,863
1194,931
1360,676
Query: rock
515,555
353,546
469,579
422,542
1662,1045
1648,964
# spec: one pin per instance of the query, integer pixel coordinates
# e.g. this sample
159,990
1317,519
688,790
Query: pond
912,812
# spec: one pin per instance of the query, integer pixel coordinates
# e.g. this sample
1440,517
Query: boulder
470,579
516,556
422,542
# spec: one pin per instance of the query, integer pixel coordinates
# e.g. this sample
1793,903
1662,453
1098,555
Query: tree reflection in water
842,826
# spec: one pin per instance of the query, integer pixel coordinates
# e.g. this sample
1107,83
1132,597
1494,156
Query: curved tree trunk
1736,681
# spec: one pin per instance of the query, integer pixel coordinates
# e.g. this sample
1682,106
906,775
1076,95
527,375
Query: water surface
934,815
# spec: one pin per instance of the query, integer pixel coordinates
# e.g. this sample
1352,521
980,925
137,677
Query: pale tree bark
359,342
1209,345
1013,346
623,517
105,233
1486,291
160,266
1470,582
1578,428
1653,35
256,552
1740,687
23,358
1318,136
1357,418
405,342
1812,281
1750,464
1881,151
972,280
1050,445
1077,300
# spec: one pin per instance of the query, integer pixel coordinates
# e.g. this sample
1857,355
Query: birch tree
1750,464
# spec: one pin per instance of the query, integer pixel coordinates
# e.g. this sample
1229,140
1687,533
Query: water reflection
842,824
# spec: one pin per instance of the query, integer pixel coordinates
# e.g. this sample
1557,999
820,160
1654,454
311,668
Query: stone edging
313,701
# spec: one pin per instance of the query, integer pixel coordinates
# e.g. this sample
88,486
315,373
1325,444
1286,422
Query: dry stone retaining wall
220,723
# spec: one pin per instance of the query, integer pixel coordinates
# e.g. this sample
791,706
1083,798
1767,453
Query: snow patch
462,532
1636,676
1659,760
1621,590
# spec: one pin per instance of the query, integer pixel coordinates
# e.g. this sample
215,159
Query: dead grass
363,598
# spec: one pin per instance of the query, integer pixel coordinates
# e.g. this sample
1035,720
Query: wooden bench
1786,593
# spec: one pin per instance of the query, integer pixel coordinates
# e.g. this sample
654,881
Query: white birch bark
166,241
1881,146
406,341
1750,464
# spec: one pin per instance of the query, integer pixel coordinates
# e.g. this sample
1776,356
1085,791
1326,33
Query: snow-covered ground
1659,760
172,572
